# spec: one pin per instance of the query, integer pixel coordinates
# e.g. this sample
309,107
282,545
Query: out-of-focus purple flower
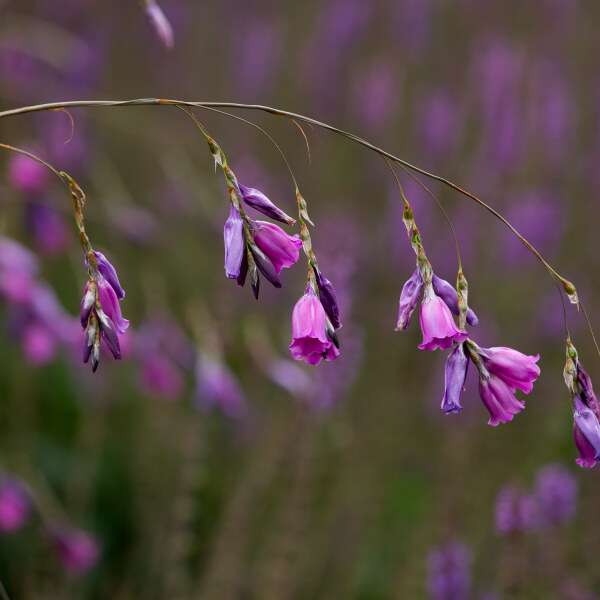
456,373
26,175
15,504
374,96
290,377
409,298
279,247
515,511
48,228
217,386
260,202
160,377
587,434
517,370
310,341
160,23
438,122
449,295
556,492
233,234
438,326
448,572
328,298
78,550
39,344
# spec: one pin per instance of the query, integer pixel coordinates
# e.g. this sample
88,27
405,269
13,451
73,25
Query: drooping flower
310,341
217,386
328,298
110,304
456,373
15,504
556,493
409,298
78,550
448,572
516,369
438,326
260,202
281,249
515,511
233,234
109,273
160,23
587,434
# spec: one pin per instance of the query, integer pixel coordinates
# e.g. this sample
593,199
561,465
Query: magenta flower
516,369
160,23
456,373
279,247
15,505
233,234
310,341
438,326
260,202
499,399
78,550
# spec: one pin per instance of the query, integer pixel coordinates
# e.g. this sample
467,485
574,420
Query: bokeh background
207,463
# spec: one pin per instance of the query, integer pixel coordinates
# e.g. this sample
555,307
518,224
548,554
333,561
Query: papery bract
310,341
438,326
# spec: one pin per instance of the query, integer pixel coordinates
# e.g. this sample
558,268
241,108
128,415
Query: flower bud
409,298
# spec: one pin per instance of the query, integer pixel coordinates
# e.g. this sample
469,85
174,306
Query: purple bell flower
409,298
233,234
456,374
516,369
587,434
438,326
260,202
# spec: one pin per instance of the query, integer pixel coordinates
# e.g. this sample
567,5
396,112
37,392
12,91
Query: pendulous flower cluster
100,314
501,370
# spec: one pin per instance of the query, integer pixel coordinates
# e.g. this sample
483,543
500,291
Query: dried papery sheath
241,278
160,23
96,350
457,364
449,295
87,302
328,298
254,278
257,200
90,336
409,298
108,331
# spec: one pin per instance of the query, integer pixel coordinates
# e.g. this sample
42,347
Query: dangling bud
87,302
